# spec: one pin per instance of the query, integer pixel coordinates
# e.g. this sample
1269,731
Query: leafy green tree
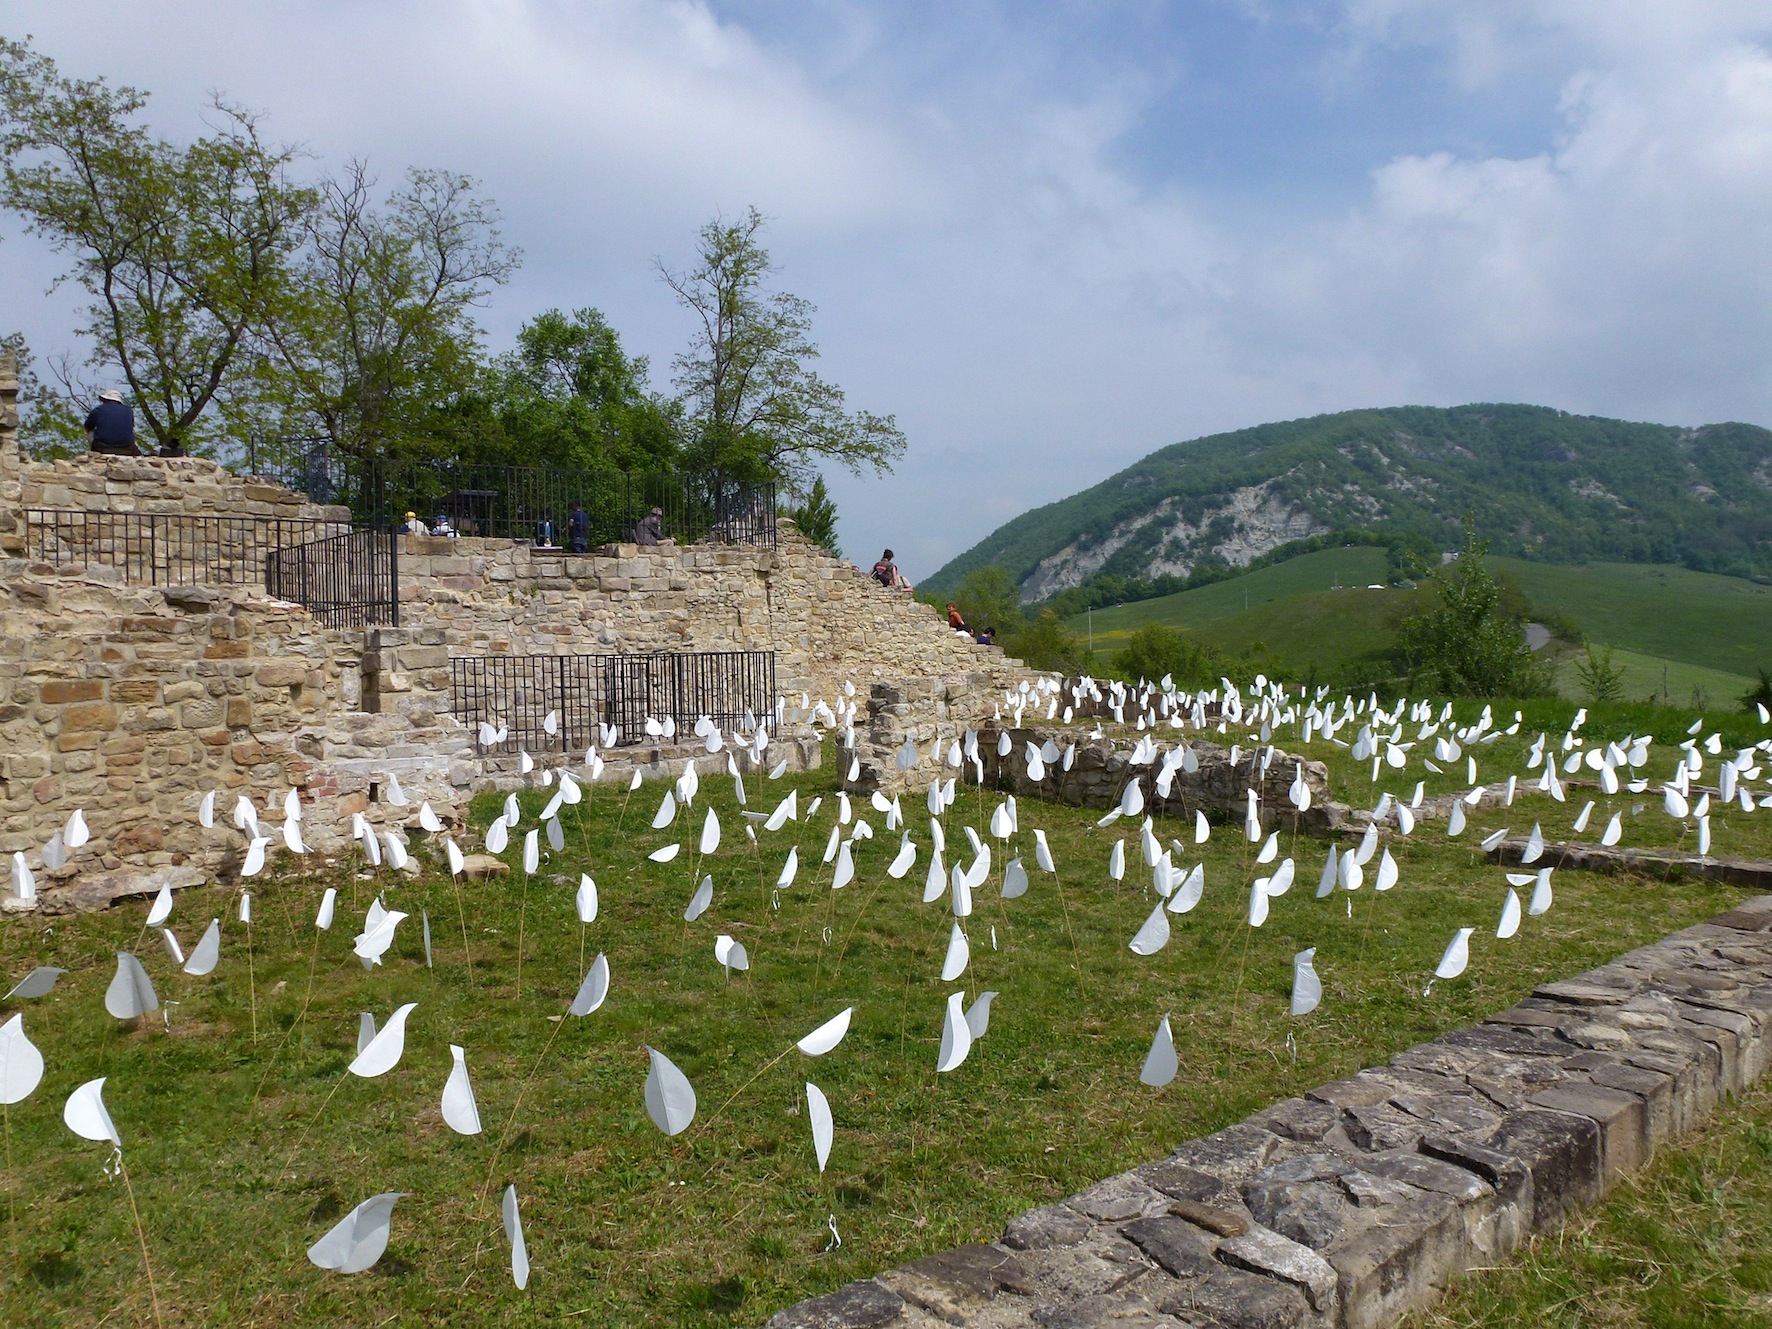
1601,679
1156,650
378,339
817,518
989,598
185,251
756,408
1469,644
569,395
1046,643
1760,694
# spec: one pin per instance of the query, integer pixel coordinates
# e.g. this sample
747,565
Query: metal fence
518,692
350,580
167,549
511,501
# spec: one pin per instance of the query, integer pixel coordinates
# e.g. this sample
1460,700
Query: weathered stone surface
954,1284
1269,1253
857,1306
484,867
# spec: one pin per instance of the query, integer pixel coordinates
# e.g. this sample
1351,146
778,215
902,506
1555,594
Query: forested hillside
1541,484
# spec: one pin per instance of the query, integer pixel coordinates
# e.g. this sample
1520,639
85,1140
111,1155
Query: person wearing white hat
110,426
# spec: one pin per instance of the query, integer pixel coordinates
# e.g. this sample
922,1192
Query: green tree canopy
756,408
569,395
378,340
184,251
1470,644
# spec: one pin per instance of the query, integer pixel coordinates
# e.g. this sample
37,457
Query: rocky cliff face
1245,524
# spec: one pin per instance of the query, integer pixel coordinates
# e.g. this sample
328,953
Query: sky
1052,236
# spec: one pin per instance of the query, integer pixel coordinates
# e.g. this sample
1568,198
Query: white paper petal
1541,894
131,992
1154,935
822,1039
959,952
670,1099
514,1233
844,873
76,832
666,854
255,856
1015,880
357,1241
460,1112
383,1052
85,1113
700,902
1258,902
956,1036
1307,988
1160,1063
1457,955
21,1064
667,812
531,851
586,900
818,1116
206,810
593,990
1387,872
1510,916
789,869
978,1015
37,983
207,952
903,860
498,836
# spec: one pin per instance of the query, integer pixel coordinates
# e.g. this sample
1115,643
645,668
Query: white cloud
959,203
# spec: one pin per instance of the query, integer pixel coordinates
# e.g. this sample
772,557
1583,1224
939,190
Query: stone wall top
192,486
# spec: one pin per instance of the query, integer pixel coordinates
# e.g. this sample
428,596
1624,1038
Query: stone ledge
1359,1202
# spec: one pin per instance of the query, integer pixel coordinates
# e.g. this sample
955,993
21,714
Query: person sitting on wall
955,620
414,526
110,426
887,574
651,528
442,526
544,531
578,529
986,637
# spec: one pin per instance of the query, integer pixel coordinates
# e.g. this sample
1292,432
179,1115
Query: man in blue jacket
110,427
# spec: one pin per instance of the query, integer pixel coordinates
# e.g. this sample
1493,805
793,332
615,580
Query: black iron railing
167,549
349,580
511,502
517,693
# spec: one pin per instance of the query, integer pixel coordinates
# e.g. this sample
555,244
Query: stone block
61,691
89,715
860,1305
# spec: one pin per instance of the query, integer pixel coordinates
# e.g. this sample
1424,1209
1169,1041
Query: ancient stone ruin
144,660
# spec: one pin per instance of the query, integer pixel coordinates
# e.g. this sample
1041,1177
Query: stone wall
1358,1202
129,702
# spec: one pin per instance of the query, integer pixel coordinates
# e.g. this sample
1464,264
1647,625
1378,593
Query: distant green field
1721,623
1354,566
1657,676
1671,629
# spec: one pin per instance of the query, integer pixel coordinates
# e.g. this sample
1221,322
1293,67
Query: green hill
1673,631
1540,484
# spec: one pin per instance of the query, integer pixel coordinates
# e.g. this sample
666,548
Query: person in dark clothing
578,529
544,531
986,637
110,426
885,571
651,528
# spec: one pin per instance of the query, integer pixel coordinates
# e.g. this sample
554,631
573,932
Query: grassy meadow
242,1150
1677,635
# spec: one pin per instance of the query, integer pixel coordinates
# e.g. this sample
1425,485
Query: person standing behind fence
651,528
578,529
110,426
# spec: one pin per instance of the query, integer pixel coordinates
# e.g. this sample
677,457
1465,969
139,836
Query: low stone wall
184,486
1361,1200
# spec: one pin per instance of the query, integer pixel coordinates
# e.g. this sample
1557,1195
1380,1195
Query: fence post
394,572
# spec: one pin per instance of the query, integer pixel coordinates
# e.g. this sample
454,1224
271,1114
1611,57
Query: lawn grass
1680,1245
1699,618
241,1155
1356,565
1657,676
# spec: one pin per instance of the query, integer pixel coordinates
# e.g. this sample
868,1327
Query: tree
1155,650
378,339
570,396
817,518
1469,644
1601,679
1046,643
184,251
756,408
989,598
